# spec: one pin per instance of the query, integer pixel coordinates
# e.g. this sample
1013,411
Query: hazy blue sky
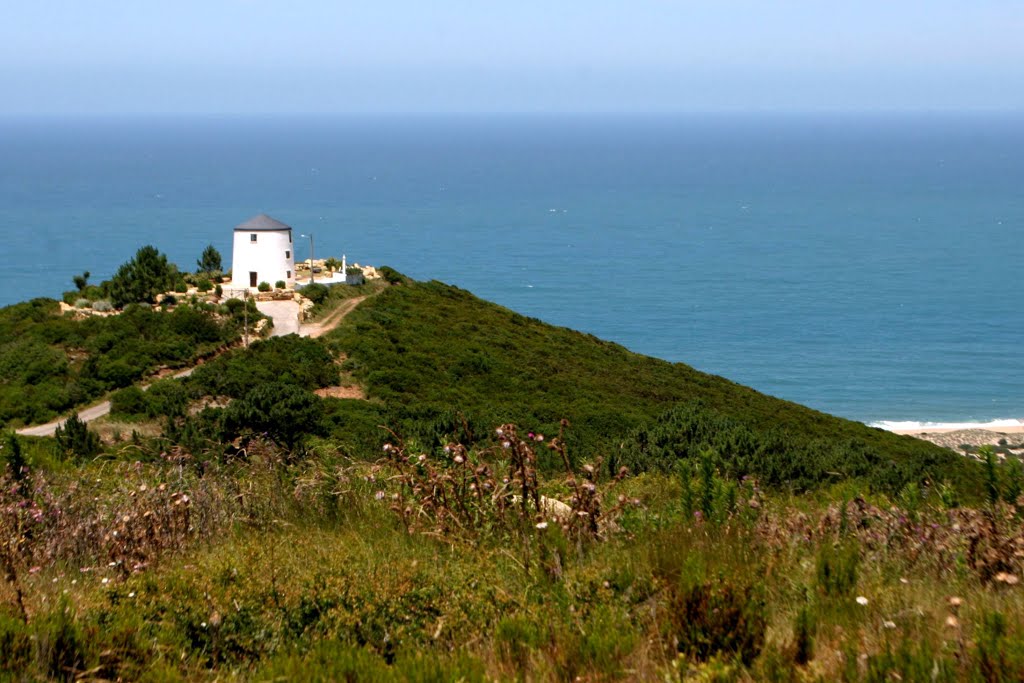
269,56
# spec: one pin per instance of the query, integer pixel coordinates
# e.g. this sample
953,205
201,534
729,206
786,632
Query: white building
263,252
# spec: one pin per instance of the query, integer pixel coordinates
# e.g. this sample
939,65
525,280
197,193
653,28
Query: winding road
286,321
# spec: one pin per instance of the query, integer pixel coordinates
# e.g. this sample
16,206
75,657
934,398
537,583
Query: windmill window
252,237
287,254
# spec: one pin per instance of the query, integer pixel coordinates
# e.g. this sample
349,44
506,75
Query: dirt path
330,322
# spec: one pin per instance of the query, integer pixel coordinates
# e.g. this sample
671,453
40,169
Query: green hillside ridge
447,364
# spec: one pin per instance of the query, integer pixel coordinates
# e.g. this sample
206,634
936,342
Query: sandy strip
1016,429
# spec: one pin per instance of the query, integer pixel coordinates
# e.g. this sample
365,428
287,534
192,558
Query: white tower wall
270,254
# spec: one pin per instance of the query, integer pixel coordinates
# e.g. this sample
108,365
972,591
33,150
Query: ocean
867,265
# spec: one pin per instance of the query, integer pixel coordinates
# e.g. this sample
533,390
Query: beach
956,436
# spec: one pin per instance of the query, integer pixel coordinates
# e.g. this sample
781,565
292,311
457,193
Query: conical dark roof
263,223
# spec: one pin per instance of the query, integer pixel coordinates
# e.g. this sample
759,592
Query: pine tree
210,261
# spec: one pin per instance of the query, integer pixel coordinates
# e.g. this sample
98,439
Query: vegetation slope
274,535
443,363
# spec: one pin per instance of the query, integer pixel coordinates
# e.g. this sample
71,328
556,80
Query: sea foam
994,425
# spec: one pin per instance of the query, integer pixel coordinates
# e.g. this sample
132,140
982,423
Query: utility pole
245,308
310,236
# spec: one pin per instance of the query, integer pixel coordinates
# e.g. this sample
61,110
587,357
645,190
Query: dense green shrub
264,286
280,284
50,364
391,276
427,350
210,261
128,402
315,292
204,285
301,361
284,412
142,278
76,440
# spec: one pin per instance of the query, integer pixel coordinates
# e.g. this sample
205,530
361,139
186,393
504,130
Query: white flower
542,525
861,600
105,580
889,624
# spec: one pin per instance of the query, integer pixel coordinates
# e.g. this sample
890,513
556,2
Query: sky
385,56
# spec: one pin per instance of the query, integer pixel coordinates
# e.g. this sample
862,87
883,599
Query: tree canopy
142,278
210,261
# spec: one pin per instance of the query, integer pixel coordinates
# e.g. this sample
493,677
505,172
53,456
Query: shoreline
966,436
925,429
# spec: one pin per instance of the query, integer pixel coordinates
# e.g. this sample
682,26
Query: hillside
255,531
444,363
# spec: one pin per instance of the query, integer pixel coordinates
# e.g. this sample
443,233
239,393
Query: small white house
263,252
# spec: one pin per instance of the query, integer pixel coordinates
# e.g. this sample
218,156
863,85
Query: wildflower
955,602
459,459
505,444
35,570
379,495
952,622
132,594
387,447
861,600
1007,578
422,457
499,431
889,624
904,581
105,580
542,525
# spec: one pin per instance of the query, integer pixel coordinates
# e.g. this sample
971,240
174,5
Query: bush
285,412
142,278
280,284
316,293
82,303
392,276
209,262
75,440
713,618
180,287
218,290
204,285
264,286
102,306
129,402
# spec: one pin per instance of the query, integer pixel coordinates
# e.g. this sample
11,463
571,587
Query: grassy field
329,569
514,501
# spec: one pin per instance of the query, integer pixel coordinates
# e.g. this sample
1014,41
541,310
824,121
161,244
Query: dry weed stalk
495,489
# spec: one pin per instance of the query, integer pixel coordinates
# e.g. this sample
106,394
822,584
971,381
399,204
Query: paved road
85,414
286,321
285,315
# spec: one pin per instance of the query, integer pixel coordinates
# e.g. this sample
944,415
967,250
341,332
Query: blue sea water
865,265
